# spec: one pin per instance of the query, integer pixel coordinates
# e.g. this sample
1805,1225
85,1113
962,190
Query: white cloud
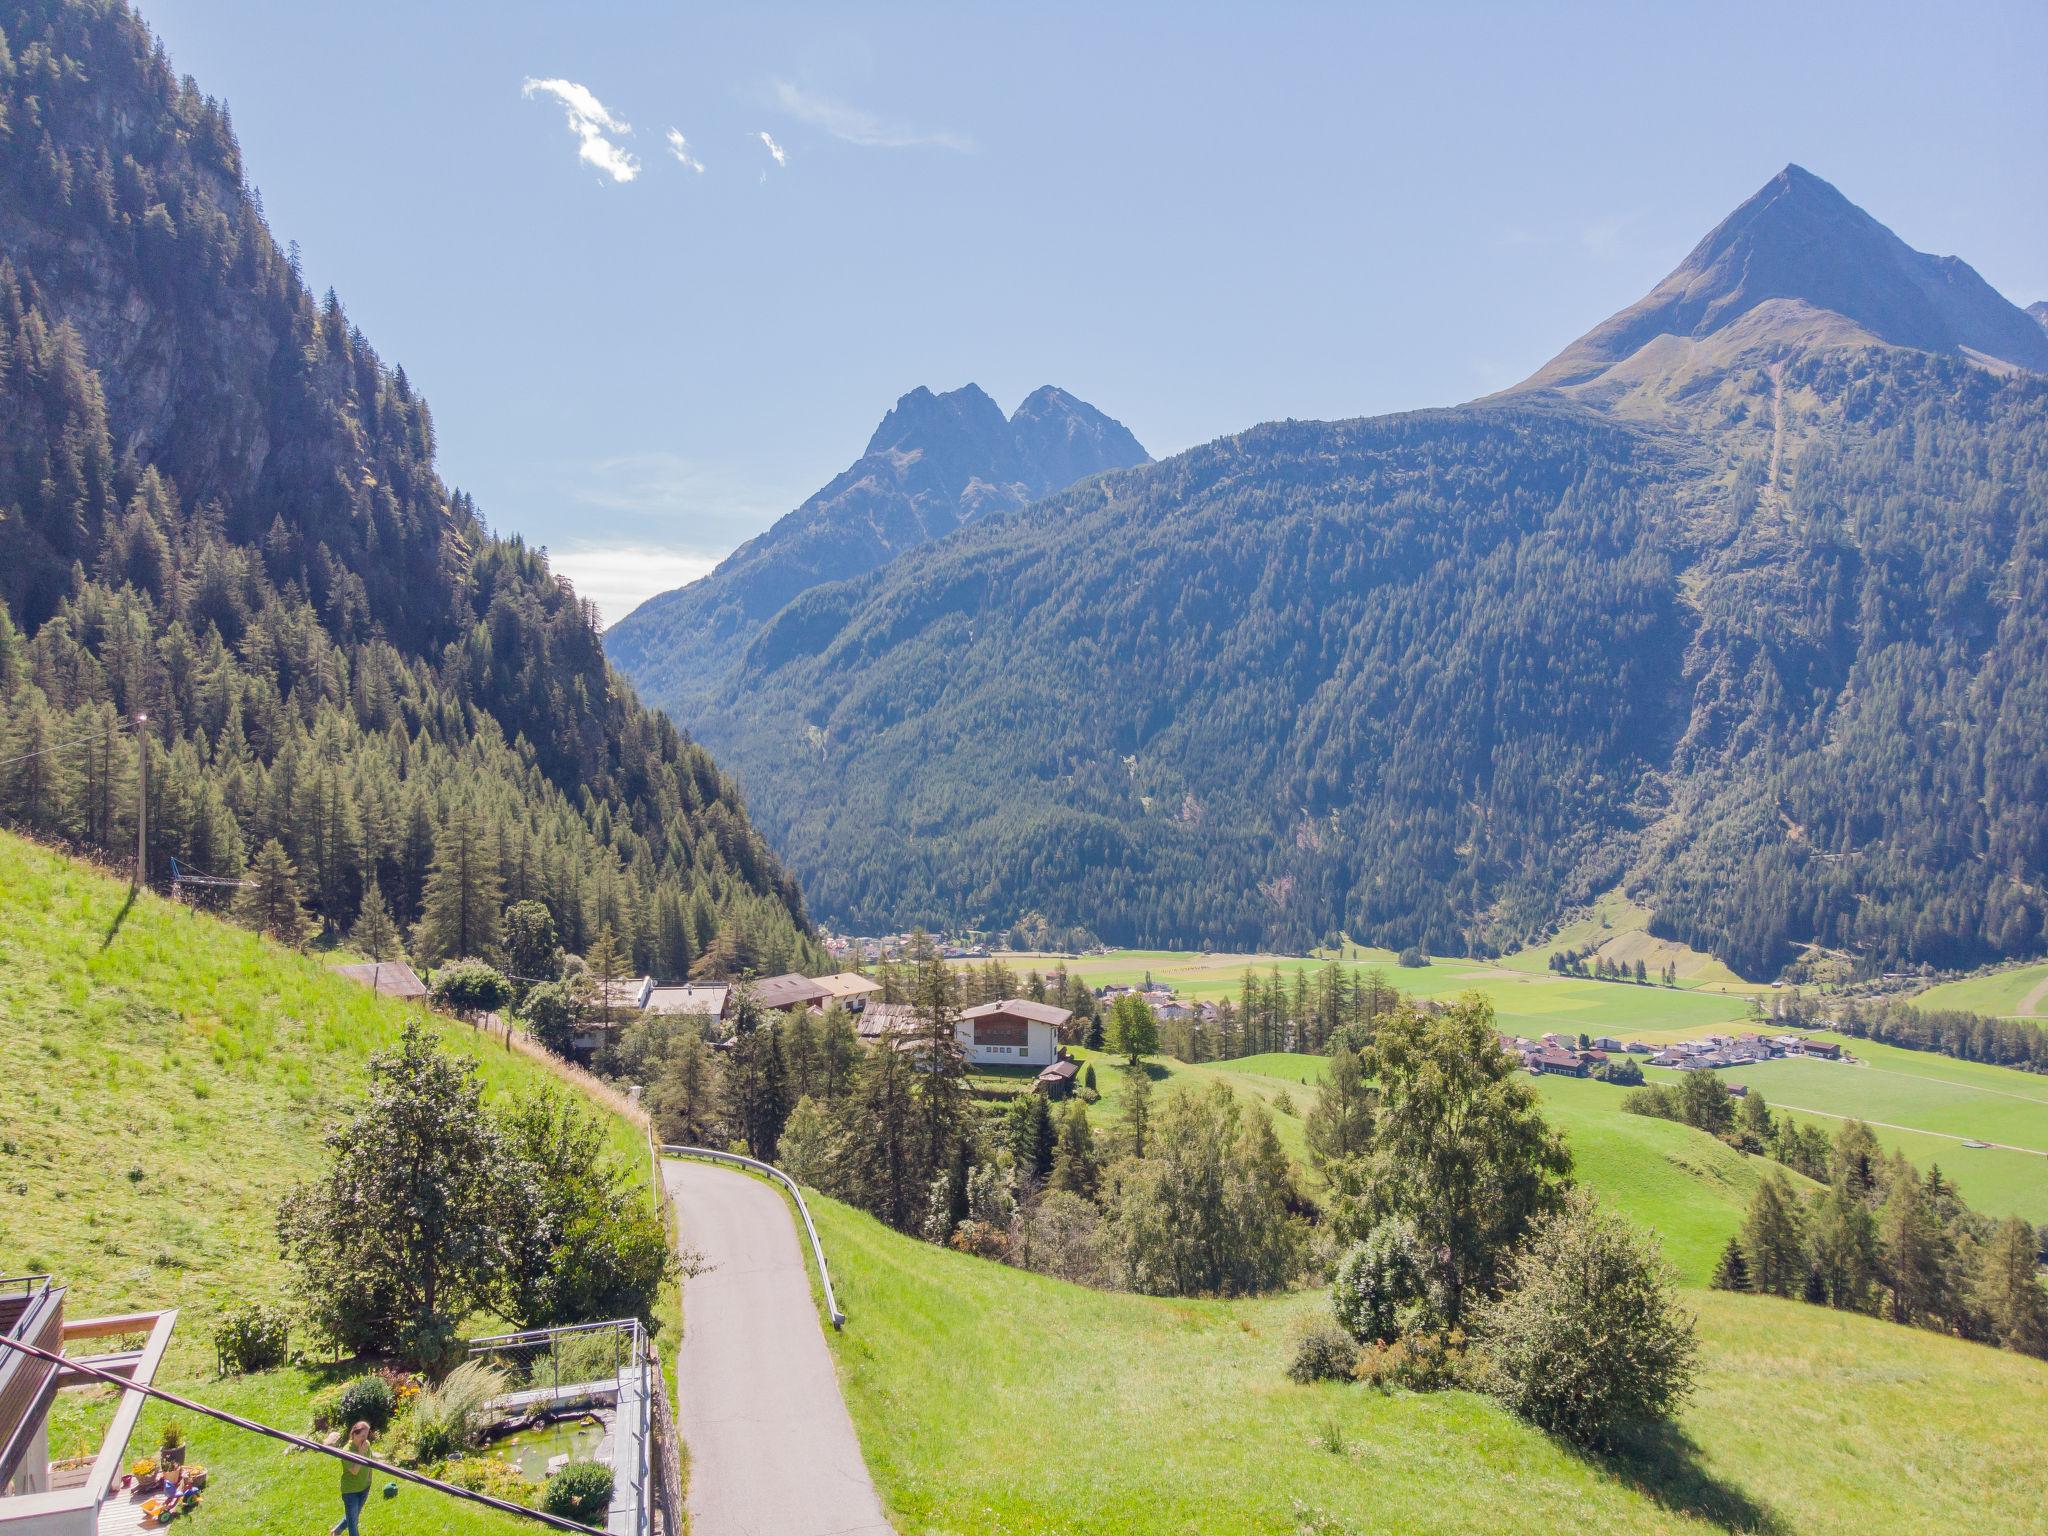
781,155
620,577
591,124
680,148
857,125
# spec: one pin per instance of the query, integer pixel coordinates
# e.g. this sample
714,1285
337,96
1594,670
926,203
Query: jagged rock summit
937,461
1796,266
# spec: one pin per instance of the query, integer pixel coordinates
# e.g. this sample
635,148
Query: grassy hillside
2017,992
170,1077
989,1400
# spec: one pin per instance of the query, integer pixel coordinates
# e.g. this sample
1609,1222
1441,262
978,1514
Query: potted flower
144,1473
170,1454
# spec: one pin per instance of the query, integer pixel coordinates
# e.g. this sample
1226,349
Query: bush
1378,1293
447,1419
1412,958
1418,1362
251,1338
550,1012
581,1491
367,1398
1323,1352
1588,1337
325,1406
1622,1072
495,1476
470,988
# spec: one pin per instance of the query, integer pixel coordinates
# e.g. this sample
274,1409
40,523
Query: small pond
532,1449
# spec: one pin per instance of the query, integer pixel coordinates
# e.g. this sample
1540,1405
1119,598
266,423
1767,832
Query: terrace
76,1495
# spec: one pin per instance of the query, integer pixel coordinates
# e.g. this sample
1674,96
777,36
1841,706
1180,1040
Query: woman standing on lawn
355,1484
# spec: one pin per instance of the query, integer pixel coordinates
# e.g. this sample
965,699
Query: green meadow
1136,1416
170,1078
2017,992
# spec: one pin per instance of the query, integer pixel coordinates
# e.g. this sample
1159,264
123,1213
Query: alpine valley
1724,606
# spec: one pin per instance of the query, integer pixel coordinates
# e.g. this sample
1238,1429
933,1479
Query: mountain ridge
934,463
1434,678
1794,266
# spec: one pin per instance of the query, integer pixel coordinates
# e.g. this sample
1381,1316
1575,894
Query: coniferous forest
219,510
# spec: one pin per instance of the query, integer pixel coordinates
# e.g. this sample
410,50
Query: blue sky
1196,216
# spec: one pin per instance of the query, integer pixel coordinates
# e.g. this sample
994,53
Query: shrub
1422,1361
495,1476
326,1406
368,1398
447,1419
1588,1337
1378,1293
251,1338
550,1012
470,988
982,1239
581,1491
1323,1352
1412,958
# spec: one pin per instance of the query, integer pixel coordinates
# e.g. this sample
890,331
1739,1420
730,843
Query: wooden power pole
142,802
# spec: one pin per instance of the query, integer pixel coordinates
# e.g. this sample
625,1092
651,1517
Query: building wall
1007,1042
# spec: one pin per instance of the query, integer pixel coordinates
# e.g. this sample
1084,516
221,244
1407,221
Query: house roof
845,984
879,1019
393,978
1020,1008
791,990
683,997
1060,1071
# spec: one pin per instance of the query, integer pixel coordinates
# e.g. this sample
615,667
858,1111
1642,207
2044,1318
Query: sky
660,269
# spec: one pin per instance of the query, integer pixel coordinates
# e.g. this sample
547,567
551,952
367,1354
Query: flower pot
170,1458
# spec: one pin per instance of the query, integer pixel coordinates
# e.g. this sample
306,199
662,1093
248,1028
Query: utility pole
142,802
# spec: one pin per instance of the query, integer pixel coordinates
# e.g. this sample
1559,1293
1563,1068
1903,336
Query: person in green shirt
355,1484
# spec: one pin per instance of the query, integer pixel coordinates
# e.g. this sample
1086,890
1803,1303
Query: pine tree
1732,1272
607,963
1339,1127
1845,1253
374,933
2006,1289
464,895
1137,1123
269,902
884,1169
1912,1243
1074,1166
1774,1240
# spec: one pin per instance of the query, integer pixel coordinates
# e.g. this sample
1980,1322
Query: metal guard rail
817,1248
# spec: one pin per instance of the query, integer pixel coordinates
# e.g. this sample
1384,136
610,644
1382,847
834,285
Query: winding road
772,1451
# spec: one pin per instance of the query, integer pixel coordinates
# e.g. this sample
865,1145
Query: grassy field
1928,1107
169,1078
1128,1416
1527,998
2018,992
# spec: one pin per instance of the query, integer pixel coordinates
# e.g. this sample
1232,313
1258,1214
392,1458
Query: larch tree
269,900
465,892
1774,1239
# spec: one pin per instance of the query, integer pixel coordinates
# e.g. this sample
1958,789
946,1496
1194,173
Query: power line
95,739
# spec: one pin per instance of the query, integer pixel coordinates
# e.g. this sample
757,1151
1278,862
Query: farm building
849,987
1014,1032
688,997
789,991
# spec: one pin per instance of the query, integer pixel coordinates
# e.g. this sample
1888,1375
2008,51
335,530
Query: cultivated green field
1142,1417
1527,1000
169,1077
1928,1107
2018,992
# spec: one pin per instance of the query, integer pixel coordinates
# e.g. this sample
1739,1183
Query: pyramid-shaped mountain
937,461
1797,265
1768,657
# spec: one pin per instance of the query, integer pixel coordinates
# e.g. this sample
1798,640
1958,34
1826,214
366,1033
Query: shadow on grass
1663,1463
120,917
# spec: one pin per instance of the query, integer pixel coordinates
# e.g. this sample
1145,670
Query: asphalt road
772,1452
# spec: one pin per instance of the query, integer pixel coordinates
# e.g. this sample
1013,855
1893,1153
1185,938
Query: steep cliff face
936,463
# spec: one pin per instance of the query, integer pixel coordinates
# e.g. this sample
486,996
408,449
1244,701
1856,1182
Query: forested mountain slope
219,507
1768,644
935,463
